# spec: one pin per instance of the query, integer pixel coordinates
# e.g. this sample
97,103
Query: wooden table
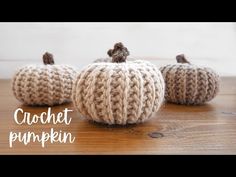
176,129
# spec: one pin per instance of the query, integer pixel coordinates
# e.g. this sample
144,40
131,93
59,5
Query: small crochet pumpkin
189,84
118,91
47,84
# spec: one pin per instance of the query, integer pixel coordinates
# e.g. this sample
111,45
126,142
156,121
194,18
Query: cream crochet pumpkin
118,92
189,84
47,84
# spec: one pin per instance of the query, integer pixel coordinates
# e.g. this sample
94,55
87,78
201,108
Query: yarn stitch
118,93
189,84
45,84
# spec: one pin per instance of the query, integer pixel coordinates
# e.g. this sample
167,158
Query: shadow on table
171,107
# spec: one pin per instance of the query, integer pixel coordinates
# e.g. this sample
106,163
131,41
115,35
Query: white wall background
210,44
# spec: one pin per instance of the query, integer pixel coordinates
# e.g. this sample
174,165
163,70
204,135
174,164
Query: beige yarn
99,60
109,60
189,84
118,93
44,84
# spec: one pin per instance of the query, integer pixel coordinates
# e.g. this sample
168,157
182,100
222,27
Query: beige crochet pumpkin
118,92
47,84
189,84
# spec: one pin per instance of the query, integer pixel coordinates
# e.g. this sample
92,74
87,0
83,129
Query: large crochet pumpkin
47,84
189,84
120,91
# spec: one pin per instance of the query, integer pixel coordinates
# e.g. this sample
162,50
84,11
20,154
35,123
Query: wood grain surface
175,129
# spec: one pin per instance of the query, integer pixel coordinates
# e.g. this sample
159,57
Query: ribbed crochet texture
44,84
189,84
118,93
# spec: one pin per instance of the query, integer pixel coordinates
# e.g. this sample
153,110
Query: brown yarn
119,53
189,84
181,59
48,59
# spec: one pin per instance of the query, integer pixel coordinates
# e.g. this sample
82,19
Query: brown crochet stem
48,59
119,53
181,59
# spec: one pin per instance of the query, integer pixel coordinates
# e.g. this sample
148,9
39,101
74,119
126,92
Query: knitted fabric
109,60
44,85
189,84
118,93
99,60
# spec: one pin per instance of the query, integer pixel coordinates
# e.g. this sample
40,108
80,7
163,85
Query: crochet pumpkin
47,84
189,84
118,91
